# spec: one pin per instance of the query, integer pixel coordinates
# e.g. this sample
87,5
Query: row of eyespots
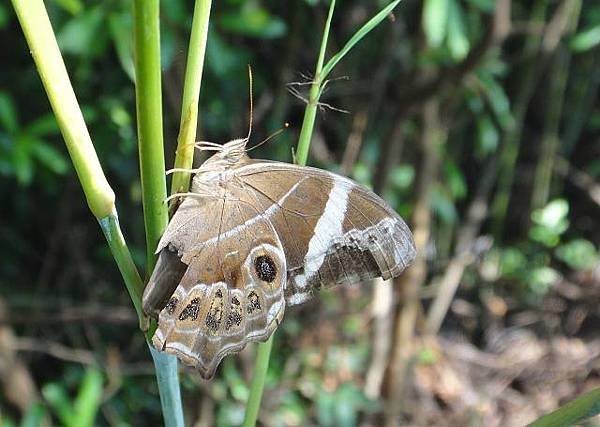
215,312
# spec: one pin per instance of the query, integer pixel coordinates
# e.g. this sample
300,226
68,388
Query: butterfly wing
231,290
333,231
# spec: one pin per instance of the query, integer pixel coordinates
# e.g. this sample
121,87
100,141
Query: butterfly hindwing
231,292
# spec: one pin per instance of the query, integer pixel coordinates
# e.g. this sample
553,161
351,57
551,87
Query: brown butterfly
253,236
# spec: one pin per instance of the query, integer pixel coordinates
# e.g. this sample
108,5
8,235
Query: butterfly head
226,156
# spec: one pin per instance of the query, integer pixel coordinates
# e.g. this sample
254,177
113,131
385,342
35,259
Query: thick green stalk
310,113
51,68
152,170
191,96
149,121
100,196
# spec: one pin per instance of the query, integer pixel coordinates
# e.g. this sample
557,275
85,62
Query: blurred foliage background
478,120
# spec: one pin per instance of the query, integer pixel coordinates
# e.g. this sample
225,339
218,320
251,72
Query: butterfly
254,236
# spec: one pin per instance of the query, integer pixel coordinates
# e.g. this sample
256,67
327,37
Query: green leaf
49,156
435,21
402,176
574,412
551,215
22,162
579,254
83,35
455,180
483,5
487,135
71,6
120,27
89,398
221,57
255,22
46,125
541,278
34,416
363,31
443,206
586,40
58,400
458,42
550,222
4,16
8,113
497,99
512,262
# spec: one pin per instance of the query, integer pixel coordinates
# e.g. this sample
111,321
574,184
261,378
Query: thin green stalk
149,120
261,365
263,352
321,72
120,251
51,68
191,95
310,113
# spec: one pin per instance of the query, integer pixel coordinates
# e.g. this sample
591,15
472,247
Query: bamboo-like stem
310,113
34,20
100,196
149,120
191,95
152,171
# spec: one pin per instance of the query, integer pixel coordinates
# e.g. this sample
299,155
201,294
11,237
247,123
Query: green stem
152,170
261,365
168,384
120,251
310,113
263,353
100,196
191,96
51,68
149,119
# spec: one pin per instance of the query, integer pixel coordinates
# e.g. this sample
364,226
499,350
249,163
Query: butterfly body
255,236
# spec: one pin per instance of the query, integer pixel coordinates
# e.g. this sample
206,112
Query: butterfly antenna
251,106
270,137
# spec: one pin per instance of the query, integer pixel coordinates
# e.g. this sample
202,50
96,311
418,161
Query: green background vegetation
479,122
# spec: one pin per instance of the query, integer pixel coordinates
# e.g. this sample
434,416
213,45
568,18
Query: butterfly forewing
332,230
